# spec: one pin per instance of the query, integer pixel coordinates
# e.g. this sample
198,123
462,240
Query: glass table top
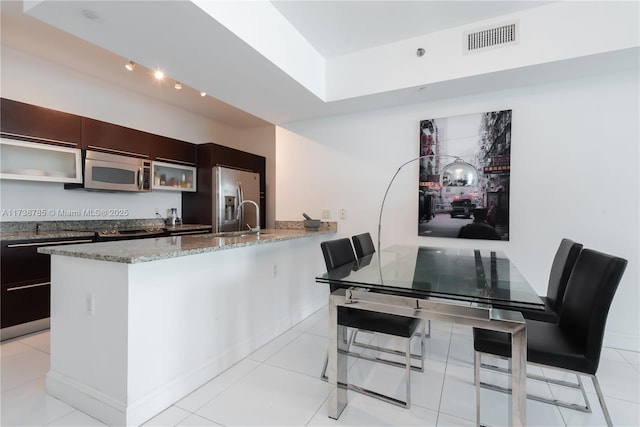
474,275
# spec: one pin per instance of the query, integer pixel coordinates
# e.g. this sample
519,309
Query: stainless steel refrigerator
232,187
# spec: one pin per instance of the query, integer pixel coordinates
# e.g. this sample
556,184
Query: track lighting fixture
159,75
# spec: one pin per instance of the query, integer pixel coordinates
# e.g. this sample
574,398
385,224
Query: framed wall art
465,170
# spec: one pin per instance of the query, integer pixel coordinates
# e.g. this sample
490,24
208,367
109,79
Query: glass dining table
474,287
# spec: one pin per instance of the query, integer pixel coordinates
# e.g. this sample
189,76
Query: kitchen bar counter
137,325
154,249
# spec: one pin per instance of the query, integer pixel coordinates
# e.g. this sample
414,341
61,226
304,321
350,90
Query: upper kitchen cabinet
210,155
22,160
115,139
30,122
171,150
170,176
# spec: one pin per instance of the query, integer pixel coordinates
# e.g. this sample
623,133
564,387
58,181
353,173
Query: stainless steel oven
130,234
110,172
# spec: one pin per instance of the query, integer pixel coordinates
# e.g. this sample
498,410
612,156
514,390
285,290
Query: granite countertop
42,235
154,249
21,234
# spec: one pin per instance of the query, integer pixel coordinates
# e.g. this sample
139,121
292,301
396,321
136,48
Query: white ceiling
338,27
249,89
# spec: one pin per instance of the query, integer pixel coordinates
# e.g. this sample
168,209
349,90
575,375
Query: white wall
575,162
37,81
262,141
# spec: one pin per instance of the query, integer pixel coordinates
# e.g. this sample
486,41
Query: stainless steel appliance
112,172
172,220
232,187
130,234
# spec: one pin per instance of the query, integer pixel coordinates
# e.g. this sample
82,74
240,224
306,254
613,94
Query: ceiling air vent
491,37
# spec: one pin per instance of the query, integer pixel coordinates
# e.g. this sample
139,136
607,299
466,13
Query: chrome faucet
255,229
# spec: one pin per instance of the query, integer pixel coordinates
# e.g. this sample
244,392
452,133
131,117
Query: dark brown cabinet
198,207
25,280
110,138
171,150
31,122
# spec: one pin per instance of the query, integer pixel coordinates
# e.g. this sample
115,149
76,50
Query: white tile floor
279,385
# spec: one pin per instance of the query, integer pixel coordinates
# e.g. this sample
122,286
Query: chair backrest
587,299
363,244
563,263
337,252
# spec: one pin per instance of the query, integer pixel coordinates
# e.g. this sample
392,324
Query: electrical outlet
275,270
343,213
326,214
90,304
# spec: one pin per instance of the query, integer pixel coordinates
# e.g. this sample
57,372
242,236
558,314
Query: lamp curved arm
387,192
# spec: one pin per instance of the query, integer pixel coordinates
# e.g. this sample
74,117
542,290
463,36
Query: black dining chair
561,267
574,343
363,245
338,253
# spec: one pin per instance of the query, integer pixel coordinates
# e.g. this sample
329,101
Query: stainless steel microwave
111,172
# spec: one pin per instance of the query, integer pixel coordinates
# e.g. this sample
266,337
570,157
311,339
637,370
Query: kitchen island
137,325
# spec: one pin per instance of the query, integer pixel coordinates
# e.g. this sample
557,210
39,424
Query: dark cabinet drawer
21,263
25,279
24,303
32,122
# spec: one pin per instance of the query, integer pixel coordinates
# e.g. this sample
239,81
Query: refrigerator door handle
240,193
240,200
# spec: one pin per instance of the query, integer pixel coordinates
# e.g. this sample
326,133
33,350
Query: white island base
130,339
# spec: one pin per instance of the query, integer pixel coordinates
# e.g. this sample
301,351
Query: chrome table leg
337,365
519,376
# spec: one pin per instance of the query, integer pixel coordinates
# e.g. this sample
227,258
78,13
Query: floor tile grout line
444,377
221,391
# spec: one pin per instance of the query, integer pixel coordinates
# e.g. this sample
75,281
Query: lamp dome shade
459,174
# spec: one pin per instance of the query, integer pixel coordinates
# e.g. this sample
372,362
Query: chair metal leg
389,351
408,367
385,350
603,405
422,345
323,374
575,407
530,376
407,370
476,382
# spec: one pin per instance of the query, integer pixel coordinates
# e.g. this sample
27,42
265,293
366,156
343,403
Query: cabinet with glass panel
172,177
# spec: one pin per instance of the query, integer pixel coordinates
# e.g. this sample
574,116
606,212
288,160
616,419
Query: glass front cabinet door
172,177
33,161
